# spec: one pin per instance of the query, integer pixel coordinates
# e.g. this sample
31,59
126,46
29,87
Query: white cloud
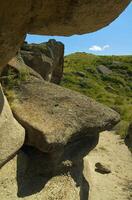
95,48
99,48
106,47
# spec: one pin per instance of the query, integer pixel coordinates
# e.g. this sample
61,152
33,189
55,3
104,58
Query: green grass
12,80
114,90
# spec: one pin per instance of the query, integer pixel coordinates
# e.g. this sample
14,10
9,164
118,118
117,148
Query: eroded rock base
30,176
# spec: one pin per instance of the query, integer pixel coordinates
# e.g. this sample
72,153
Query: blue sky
115,39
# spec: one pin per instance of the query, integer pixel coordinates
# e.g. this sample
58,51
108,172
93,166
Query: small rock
102,168
104,70
82,74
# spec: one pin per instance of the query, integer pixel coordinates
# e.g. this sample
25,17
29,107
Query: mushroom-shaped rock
52,17
60,120
12,134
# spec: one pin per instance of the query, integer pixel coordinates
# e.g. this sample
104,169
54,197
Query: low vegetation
13,79
112,86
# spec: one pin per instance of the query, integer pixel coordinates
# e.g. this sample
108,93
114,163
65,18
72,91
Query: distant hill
107,79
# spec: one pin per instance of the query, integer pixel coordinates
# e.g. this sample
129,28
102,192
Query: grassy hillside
113,86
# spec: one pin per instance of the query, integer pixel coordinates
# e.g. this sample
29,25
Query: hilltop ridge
107,79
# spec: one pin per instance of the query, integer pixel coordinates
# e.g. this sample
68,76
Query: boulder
104,70
102,168
17,69
46,58
12,134
52,17
60,121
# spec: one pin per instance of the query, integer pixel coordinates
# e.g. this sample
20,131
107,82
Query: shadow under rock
33,171
84,191
75,151
1,100
75,170
80,180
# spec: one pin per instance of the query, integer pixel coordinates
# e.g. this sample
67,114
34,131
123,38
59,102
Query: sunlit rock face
46,58
59,121
52,17
12,134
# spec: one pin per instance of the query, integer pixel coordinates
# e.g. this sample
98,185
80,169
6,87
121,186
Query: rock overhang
49,17
74,16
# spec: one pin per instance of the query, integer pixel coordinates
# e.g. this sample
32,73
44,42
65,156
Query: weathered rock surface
17,69
13,27
104,70
51,17
46,58
12,134
60,121
65,18
112,152
27,176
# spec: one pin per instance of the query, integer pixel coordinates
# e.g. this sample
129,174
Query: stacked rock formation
53,128
61,127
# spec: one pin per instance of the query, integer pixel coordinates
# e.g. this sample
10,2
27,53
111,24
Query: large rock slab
12,134
60,120
111,152
45,58
52,17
